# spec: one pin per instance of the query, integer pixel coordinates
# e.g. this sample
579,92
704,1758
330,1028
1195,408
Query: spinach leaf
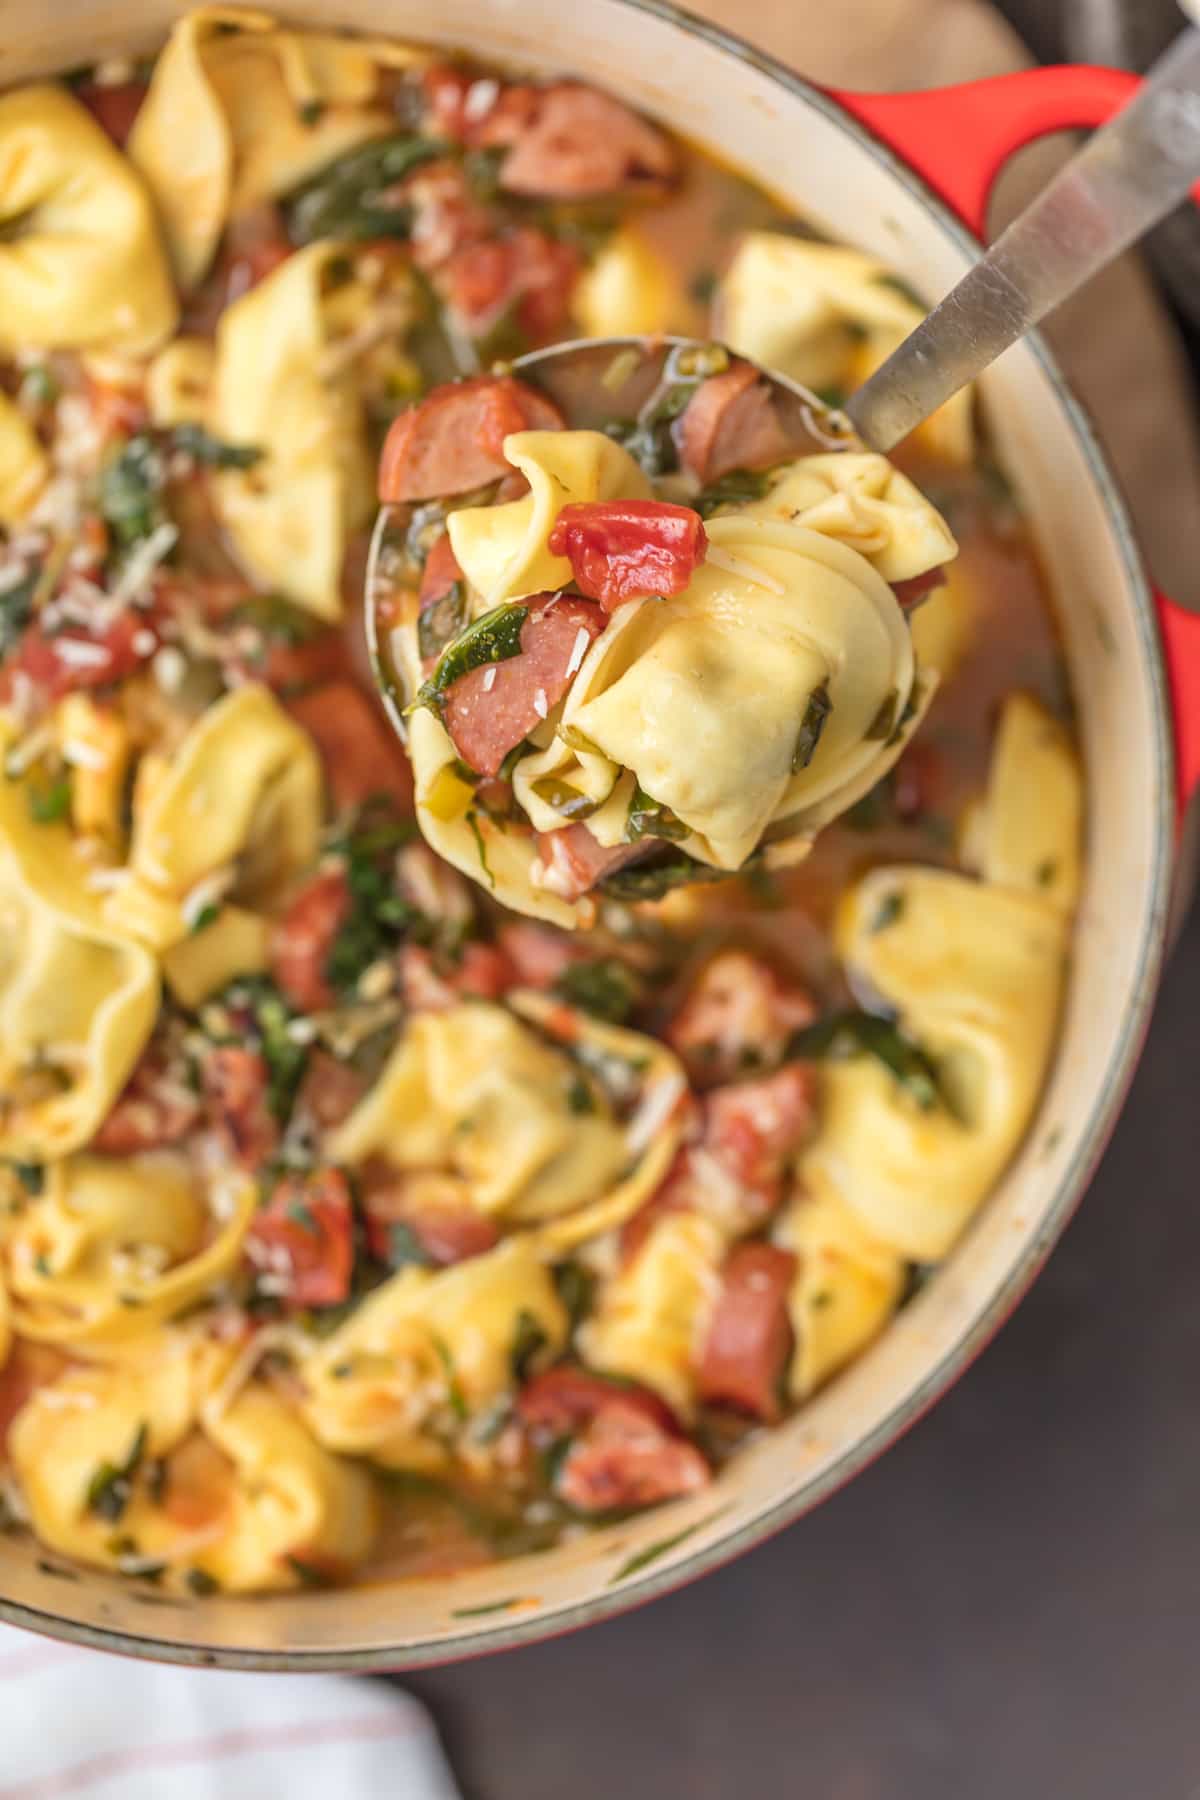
737,488
405,1249
564,798
529,1340
651,880
111,1487
16,609
50,801
378,917
576,1286
856,1033
884,722
649,438
350,198
204,448
812,725
131,491
267,1017
277,620
606,988
649,818
494,638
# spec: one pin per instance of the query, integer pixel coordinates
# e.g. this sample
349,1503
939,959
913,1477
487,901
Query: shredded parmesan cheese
540,704
578,650
142,562
738,565
658,1103
209,891
489,678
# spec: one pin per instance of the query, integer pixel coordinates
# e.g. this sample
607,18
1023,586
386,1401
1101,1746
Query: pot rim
478,1641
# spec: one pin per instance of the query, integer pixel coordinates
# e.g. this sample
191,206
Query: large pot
868,169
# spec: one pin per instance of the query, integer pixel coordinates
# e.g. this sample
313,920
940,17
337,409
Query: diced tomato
623,1461
482,972
329,1090
525,271
446,216
751,1127
114,106
730,423
490,710
235,1084
738,1014
117,412
440,573
578,143
150,1111
624,549
574,862
563,1400
304,1237
198,1491
750,1334
446,1232
539,954
910,593
453,440
304,936
361,753
476,109
74,659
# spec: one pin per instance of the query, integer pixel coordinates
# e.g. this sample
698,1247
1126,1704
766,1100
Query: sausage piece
453,439
304,937
730,423
581,143
750,1334
361,754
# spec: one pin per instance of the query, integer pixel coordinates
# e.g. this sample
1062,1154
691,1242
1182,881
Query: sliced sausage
235,1084
750,1335
445,1233
114,105
453,439
910,593
153,1109
623,1461
304,936
626,549
524,272
490,710
362,755
573,862
580,142
483,972
302,1241
440,573
475,109
737,1015
563,1400
730,423
751,1128
446,216
329,1090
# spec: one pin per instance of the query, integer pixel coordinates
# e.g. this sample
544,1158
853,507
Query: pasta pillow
235,813
828,316
846,1286
114,1247
78,998
427,1353
81,262
289,516
240,111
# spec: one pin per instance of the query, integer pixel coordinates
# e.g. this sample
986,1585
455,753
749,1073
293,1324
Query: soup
356,1224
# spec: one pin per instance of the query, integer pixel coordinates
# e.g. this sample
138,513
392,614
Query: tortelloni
477,1110
846,1286
256,109
138,1466
755,705
81,262
113,1248
974,973
427,1354
828,316
78,998
276,386
234,814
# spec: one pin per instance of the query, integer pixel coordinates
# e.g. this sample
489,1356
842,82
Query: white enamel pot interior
795,140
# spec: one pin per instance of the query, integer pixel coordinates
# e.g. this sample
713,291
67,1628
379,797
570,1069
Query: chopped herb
203,447
890,908
482,171
31,1175
564,798
834,396
130,492
155,1478
201,1583
575,1286
278,620
1046,872
651,880
529,1341
270,1017
111,1487
642,1559
738,488
481,1612
405,1249
41,1265
907,715
140,1568
703,287
16,609
816,713
580,1099
57,1570
606,988
350,199
508,766
312,112
821,1299
884,722
208,915
39,385
476,830
50,801
309,1574
443,621
491,639
847,1034
378,917
454,1393
304,1217
898,285
649,818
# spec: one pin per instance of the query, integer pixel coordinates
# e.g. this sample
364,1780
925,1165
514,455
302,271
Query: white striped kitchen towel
81,1723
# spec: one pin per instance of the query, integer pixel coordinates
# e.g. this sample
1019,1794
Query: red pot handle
958,139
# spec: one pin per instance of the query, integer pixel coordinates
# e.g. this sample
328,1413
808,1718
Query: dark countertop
1007,1604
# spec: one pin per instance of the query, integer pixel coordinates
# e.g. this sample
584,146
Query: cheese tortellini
236,813
114,1247
828,316
275,386
255,110
81,262
78,997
